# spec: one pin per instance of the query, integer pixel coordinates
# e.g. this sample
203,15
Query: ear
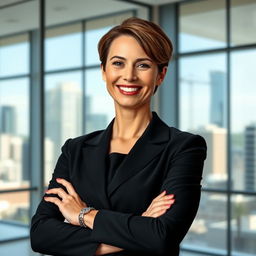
103,73
161,75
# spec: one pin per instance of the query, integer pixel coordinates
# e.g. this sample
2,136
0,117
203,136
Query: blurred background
51,89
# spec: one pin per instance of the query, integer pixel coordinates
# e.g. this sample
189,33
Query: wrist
81,215
89,218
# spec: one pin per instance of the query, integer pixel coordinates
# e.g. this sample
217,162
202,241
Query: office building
8,119
250,157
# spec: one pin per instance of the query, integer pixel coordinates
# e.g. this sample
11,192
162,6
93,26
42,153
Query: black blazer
163,158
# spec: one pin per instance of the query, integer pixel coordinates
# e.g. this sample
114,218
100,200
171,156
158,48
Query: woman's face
130,75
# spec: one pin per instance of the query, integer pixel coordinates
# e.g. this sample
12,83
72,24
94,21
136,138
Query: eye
143,65
117,63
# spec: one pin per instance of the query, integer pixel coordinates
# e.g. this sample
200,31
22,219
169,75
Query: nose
130,74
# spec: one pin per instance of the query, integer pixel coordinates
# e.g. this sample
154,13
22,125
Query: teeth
129,89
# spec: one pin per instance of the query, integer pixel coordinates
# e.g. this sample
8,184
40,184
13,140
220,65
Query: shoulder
176,138
183,141
72,144
186,137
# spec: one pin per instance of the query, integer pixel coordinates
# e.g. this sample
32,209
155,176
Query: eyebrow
137,60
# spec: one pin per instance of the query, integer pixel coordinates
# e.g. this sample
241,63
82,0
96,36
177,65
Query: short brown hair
150,36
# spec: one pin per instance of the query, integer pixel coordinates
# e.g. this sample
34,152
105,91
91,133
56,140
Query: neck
130,123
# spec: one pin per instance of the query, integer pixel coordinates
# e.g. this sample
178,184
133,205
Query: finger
57,191
159,213
160,208
53,200
160,195
162,202
67,185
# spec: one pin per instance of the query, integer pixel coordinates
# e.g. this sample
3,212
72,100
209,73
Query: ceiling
17,18
151,2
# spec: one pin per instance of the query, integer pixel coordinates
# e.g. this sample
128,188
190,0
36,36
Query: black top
115,160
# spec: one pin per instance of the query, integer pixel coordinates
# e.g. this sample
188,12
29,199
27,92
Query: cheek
151,79
111,76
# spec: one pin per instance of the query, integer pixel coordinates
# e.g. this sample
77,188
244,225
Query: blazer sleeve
49,233
163,234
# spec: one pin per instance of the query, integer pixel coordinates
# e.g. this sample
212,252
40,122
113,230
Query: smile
129,90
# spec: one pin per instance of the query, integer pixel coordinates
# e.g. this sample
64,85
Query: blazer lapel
95,154
147,147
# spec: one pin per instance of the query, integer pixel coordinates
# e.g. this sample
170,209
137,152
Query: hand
159,205
70,204
106,249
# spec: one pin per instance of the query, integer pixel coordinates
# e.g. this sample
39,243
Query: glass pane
202,25
95,29
243,225
63,47
243,119
14,55
21,248
14,132
63,114
14,208
99,105
203,110
243,25
208,231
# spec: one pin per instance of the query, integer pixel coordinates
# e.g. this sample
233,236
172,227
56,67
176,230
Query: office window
202,25
63,47
99,106
14,208
63,114
243,119
209,230
203,110
243,25
215,85
14,135
243,224
14,48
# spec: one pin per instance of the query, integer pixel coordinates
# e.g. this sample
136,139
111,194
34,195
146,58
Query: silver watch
81,215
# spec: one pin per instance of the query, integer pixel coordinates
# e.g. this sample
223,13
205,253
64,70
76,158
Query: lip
132,92
131,86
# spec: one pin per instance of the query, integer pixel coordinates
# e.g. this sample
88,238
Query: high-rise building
216,163
8,120
250,157
63,110
11,159
218,98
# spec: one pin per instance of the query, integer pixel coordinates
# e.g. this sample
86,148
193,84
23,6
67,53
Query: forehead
126,46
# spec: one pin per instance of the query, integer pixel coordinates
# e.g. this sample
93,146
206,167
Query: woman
116,187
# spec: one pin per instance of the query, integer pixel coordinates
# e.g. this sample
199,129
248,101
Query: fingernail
170,196
58,179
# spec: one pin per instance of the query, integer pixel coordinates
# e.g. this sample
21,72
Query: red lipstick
129,89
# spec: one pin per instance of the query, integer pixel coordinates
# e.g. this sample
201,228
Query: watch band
81,215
